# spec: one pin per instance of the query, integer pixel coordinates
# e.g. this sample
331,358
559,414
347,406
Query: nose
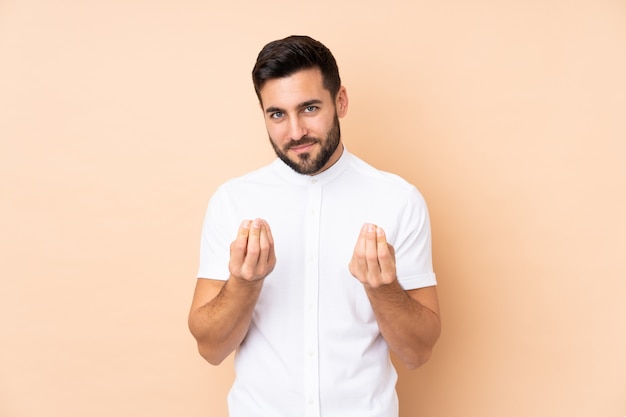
297,129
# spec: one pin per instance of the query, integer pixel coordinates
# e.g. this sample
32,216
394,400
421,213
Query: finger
253,248
362,242
238,249
385,257
264,247
268,232
272,252
240,244
358,266
371,249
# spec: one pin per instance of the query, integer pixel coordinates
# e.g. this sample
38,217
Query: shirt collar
323,177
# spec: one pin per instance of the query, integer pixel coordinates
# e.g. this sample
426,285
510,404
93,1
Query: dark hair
284,57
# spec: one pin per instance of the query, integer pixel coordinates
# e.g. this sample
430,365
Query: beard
305,163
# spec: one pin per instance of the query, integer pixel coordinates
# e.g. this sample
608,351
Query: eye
276,115
310,109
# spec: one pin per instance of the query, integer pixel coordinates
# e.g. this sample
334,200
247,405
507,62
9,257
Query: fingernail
245,224
379,231
256,223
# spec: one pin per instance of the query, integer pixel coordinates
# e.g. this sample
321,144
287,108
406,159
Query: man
330,266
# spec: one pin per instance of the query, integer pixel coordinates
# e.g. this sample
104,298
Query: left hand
373,262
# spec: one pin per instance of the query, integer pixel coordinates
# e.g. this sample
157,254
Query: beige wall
119,118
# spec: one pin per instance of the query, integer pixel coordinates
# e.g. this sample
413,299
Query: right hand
252,255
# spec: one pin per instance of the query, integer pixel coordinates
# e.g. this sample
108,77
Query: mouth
302,147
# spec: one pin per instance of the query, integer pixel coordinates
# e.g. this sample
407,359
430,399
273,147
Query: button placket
311,290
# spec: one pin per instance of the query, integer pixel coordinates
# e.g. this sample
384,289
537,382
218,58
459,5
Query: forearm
220,325
410,328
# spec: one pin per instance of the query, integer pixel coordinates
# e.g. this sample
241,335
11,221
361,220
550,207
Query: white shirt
314,348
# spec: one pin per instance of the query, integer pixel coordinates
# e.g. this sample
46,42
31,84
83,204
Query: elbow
419,354
417,360
413,359
422,352
210,355
209,351
206,348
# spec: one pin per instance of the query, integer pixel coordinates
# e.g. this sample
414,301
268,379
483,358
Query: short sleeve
413,244
218,231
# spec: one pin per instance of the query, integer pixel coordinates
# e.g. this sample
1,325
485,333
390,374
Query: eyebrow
301,105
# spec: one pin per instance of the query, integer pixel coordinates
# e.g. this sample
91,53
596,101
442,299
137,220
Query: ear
341,102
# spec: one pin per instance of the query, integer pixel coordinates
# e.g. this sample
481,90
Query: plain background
119,118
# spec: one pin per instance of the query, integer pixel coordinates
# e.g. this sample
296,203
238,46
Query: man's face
302,120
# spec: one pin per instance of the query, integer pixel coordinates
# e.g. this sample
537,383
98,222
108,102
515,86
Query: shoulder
233,191
264,175
363,171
